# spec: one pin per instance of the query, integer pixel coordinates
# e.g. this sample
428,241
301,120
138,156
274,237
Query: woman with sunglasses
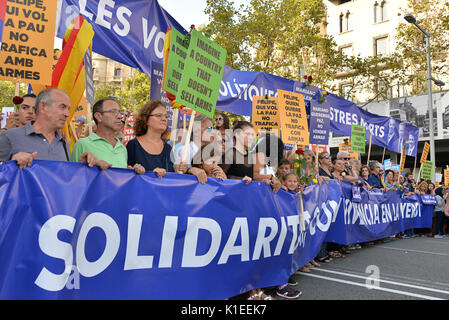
223,126
150,147
325,162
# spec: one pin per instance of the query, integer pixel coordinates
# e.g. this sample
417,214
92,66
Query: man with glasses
104,143
350,174
374,177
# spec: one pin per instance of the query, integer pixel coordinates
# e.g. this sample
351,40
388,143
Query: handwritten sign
28,37
293,117
425,153
175,64
427,170
265,115
347,147
203,71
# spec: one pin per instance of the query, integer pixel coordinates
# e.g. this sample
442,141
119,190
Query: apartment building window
380,11
344,22
117,72
381,46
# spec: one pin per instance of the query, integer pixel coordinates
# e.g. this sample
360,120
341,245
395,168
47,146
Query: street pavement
404,269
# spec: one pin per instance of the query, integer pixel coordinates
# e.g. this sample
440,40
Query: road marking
385,281
419,251
374,288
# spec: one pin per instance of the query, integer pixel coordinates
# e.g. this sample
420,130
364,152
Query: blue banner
319,123
378,215
72,232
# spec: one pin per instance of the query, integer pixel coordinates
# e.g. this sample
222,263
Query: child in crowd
285,166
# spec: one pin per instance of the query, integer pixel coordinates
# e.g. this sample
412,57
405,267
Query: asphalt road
405,269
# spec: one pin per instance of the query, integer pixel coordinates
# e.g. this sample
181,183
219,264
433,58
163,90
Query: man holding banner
40,139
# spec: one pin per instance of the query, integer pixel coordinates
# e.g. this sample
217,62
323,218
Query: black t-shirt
237,165
322,173
137,154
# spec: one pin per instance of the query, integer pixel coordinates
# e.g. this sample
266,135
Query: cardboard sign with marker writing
265,115
292,111
27,45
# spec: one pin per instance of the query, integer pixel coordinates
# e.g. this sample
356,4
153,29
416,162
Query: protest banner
358,138
266,115
292,111
201,79
28,37
174,66
425,153
124,248
3,4
319,123
427,170
157,93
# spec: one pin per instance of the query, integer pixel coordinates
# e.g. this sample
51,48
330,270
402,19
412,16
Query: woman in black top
325,162
149,148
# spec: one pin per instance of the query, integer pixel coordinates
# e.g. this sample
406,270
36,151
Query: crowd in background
220,151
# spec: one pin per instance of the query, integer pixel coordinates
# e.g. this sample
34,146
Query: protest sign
403,157
358,138
266,115
89,74
347,147
156,91
28,36
427,170
201,79
319,123
446,177
425,153
129,130
292,111
7,112
387,164
178,47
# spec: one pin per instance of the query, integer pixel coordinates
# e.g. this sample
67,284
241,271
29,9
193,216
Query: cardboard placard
265,115
425,153
179,45
427,170
28,37
358,138
292,111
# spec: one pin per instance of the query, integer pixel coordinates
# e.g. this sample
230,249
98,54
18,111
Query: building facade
109,71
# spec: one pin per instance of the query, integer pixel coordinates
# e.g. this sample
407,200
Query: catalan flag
69,74
2,16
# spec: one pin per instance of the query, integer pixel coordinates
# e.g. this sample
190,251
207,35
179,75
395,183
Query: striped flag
2,17
69,74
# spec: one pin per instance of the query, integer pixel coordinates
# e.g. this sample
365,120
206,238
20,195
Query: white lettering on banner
271,233
349,118
369,214
102,12
147,38
243,92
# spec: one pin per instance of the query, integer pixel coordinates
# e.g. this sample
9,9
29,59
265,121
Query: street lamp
411,19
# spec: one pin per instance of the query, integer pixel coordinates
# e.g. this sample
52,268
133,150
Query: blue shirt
136,154
374,180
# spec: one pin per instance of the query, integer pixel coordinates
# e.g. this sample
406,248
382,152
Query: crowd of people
34,132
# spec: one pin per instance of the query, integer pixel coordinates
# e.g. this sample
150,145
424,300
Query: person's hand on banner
24,159
275,184
248,180
103,165
199,173
160,172
89,158
321,179
139,169
218,173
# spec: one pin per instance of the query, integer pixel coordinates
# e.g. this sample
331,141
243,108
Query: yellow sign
265,115
446,177
403,156
292,111
425,153
28,37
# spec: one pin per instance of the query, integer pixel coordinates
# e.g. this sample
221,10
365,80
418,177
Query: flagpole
369,149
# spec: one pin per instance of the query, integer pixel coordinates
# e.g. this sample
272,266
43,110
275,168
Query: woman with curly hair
150,147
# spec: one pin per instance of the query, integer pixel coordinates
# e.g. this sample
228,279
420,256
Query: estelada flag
69,73
2,17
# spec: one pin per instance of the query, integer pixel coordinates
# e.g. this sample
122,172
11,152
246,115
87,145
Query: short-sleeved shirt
102,149
237,165
26,139
374,180
137,154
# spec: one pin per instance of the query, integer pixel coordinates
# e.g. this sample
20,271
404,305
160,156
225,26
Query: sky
186,12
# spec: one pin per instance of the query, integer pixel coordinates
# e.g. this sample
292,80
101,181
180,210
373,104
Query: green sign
358,138
201,80
427,170
175,64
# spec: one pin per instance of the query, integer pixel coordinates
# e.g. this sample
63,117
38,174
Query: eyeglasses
346,159
113,112
160,115
326,157
218,119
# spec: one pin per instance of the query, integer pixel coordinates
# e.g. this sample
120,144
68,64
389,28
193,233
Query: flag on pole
69,73
2,17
